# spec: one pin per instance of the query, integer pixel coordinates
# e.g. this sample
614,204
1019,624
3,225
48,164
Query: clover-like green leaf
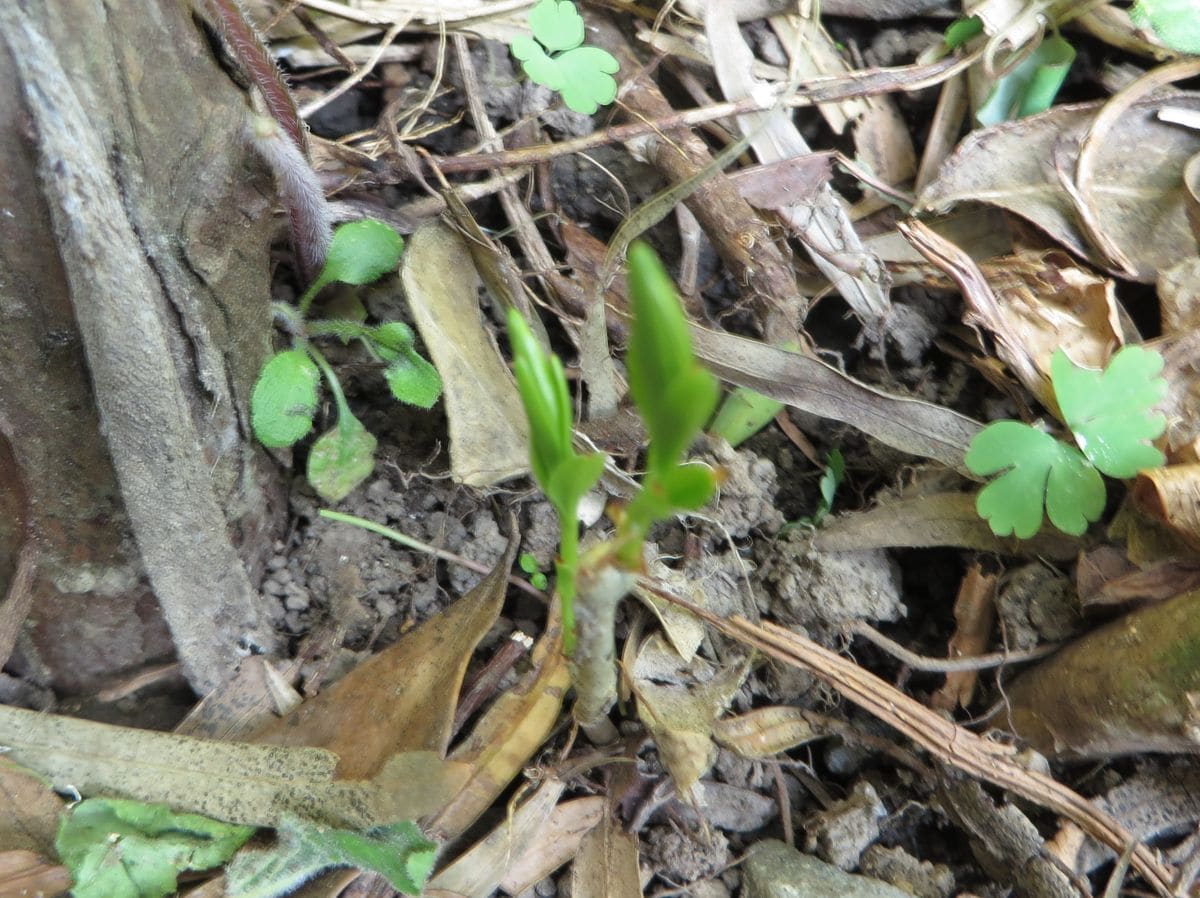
284,399
341,459
1110,412
399,852
557,24
556,59
116,848
1176,22
1038,472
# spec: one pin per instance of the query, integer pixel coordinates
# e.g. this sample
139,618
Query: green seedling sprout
1031,86
285,398
529,565
675,397
556,58
1110,415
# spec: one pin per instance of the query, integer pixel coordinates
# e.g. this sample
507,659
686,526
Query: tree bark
134,314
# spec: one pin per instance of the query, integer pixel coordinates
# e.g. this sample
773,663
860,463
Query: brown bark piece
189,212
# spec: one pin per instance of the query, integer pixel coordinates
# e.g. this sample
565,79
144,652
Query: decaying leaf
507,735
488,433
1172,495
29,811
556,843
478,871
680,716
765,732
231,781
1139,196
403,698
1130,687
939,519
974,614
607,865
23,874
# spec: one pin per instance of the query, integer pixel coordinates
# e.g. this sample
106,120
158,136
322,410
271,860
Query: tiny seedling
284,402
529,565
556,58
675,397
1110,415
831,479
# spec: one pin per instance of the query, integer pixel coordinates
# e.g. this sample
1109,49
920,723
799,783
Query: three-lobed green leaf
284,399
1110,411
1111,415
583,75
117,848
1176,22
1040,475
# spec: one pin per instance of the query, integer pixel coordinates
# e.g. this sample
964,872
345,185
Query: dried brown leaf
488,433
607,865
1136,187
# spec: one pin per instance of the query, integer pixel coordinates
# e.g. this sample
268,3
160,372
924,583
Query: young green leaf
675,395
1110,412
395,335
570,480
399,852
835,469
543,387
743,414
130,849
1038,472
361,252
413,380
1176,22
962,30
583,75
284,399
341,459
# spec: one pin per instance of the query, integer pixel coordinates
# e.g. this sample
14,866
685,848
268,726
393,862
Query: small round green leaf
395,335
414,380
361,253
284,398
341,459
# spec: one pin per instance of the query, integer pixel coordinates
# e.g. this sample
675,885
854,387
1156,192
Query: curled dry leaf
1138,194
1172,495
488,433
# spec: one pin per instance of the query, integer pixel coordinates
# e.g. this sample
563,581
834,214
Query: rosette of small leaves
1110,414
284,402
556,58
